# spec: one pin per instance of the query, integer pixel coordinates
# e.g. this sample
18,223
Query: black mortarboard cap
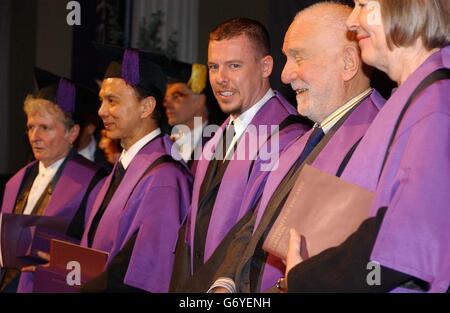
56,89
138,68
71,97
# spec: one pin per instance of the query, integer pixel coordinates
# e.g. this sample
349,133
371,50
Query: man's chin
229,109
112,135
303,109
38,155
173,122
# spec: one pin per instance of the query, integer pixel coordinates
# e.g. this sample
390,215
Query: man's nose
288,74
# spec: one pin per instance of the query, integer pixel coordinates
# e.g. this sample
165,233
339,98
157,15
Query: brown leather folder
323,209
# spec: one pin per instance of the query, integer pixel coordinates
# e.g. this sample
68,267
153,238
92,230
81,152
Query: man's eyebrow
109,95
297,52
290,52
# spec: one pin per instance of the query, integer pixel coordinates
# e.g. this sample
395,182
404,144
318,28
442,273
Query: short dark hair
158,113
254,30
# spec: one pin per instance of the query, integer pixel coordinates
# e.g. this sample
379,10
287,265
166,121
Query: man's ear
352,62
148,105
267,66
73,133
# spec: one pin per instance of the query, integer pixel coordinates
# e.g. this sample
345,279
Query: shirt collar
127,155
243,120
334,117
189,139
51,169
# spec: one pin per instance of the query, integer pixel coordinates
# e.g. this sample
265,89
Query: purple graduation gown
155,205
414,237
226,210
328,160
64,202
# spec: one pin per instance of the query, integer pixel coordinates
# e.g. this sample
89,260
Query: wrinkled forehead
44,117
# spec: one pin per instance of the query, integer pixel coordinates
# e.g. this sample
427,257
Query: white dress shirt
186,141
334,117
128,155
40,183
243,120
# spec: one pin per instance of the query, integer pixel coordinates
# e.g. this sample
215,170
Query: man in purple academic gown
244,149
59,181
408,234
342,117
141,205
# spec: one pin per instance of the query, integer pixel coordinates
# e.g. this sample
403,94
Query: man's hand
32,268
293,255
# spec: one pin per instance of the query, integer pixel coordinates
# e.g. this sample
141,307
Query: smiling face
48,136
237,73
314,67
366,21
181,104
122,112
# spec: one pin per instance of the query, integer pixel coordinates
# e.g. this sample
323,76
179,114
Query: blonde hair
35,106
405,21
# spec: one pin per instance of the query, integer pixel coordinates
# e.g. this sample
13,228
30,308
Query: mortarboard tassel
197,82
65,96
130,67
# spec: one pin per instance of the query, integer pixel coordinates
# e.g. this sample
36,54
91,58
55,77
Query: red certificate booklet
68,262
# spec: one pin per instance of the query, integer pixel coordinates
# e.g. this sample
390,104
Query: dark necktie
227,139
117,178
312,142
